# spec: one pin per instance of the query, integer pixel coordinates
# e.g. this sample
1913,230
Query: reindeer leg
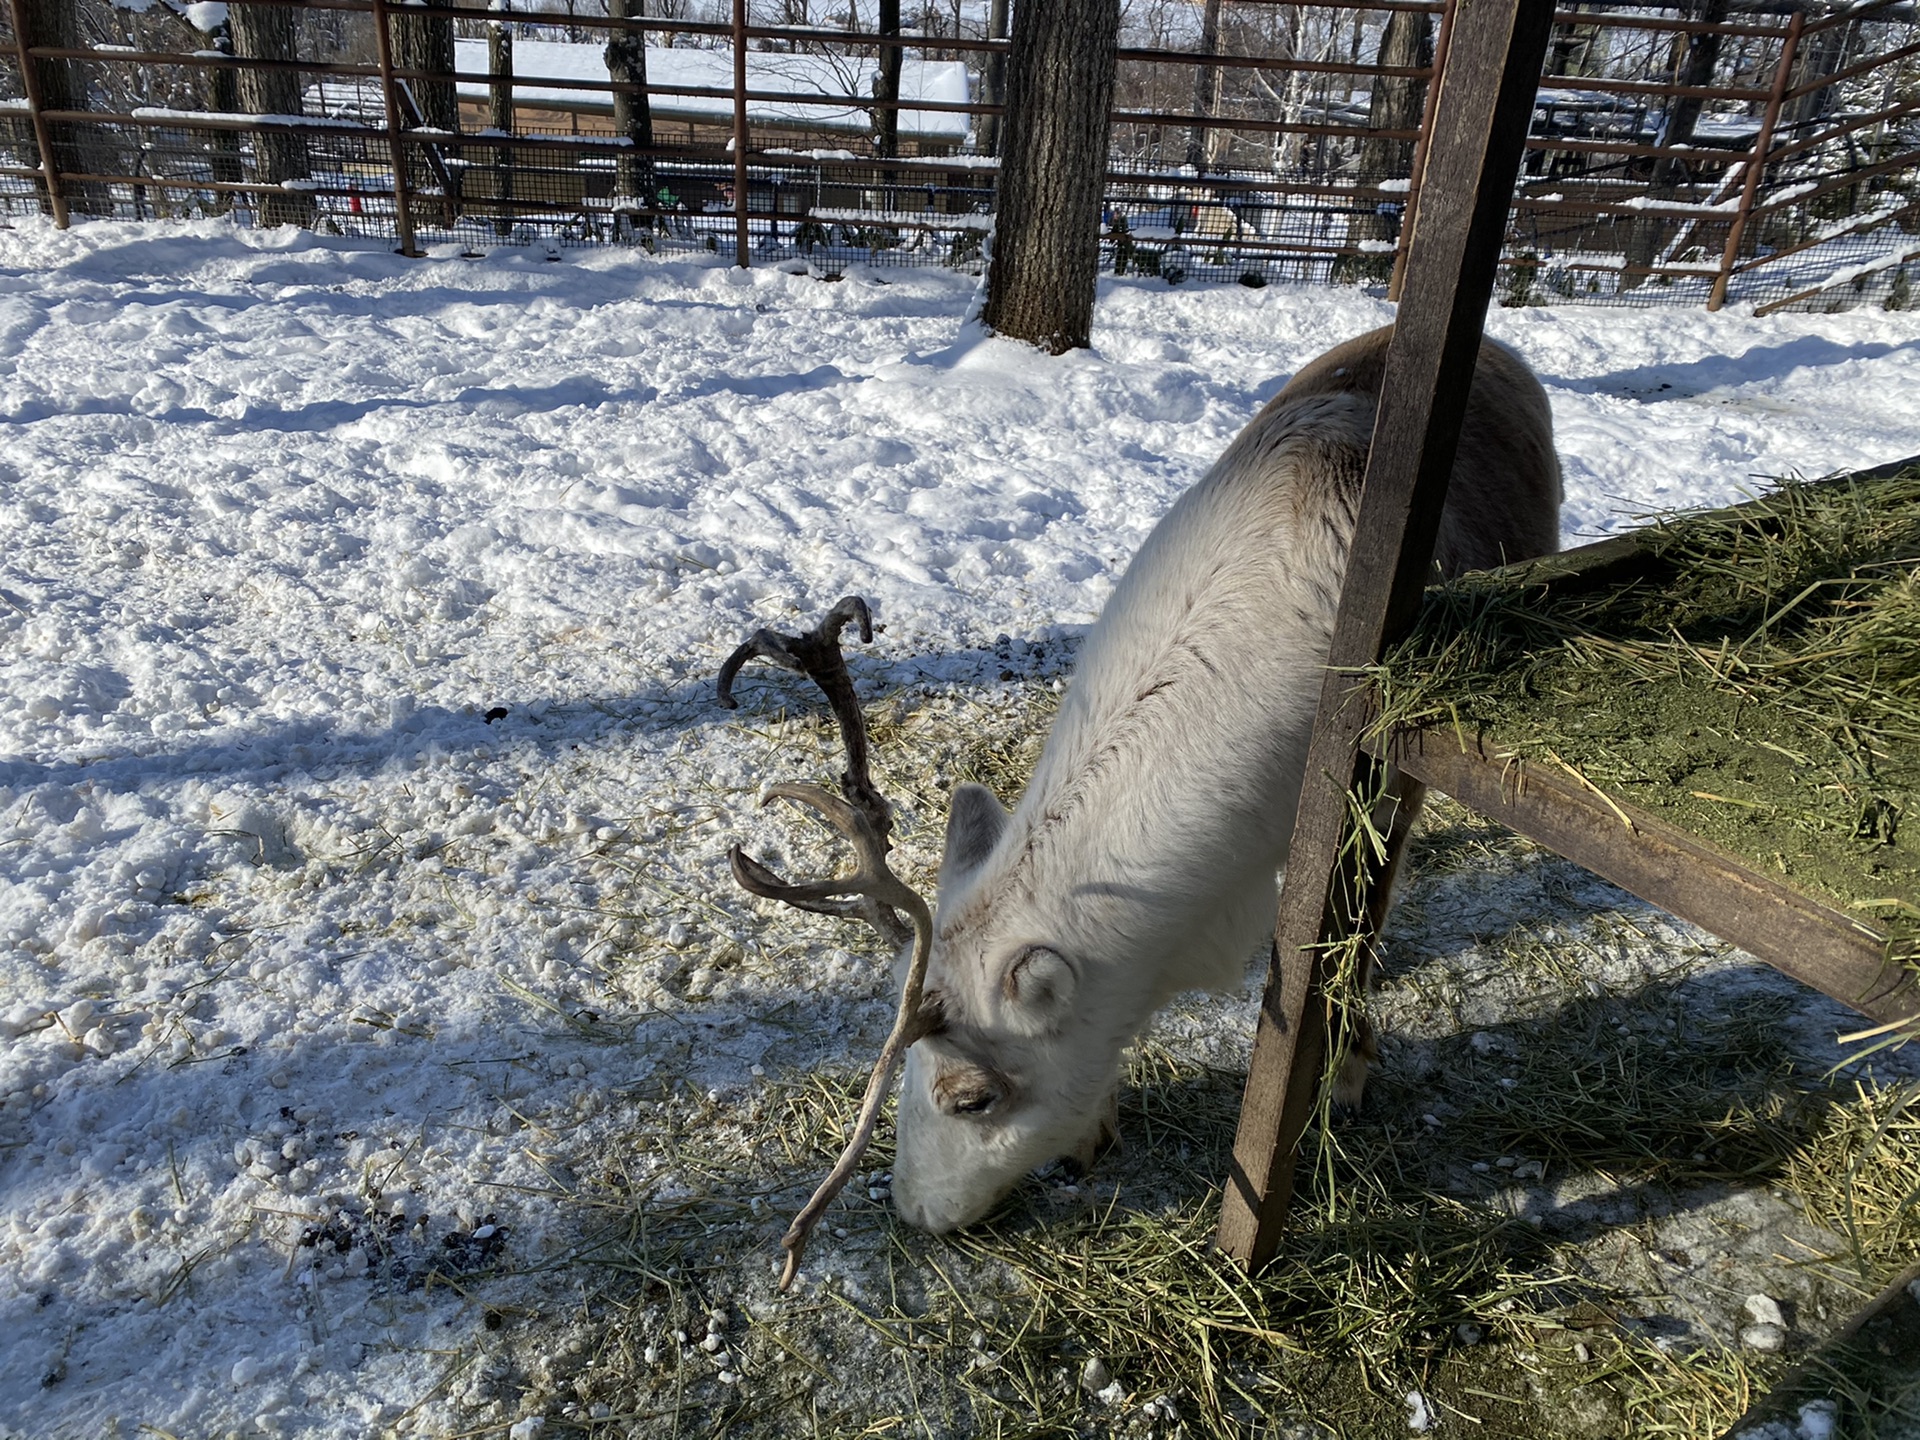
1363,1051
1396,813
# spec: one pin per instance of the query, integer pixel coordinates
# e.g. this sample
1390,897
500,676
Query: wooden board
1481,116
1680,873
1778,911
1620,558
1876,1356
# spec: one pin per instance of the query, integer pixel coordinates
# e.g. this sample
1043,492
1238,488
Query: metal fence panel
1769,156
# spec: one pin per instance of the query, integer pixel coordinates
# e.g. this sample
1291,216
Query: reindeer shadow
1659,1105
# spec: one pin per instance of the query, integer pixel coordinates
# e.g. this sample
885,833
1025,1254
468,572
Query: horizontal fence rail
1705,153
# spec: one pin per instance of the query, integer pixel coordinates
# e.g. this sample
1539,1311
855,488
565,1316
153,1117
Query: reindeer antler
817,654
872,892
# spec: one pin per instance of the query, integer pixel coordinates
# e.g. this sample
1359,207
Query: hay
1415,1265
1758,685
1860,1176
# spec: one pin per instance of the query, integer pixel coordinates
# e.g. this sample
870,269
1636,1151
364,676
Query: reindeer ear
1040,984
974,824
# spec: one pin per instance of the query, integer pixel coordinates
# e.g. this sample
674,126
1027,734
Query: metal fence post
396,146
1762,143
740,252
30,84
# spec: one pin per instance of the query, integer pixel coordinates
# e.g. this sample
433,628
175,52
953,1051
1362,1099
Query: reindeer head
990,1090
1019,1069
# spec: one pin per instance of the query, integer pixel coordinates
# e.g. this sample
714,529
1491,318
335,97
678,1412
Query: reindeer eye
968,1091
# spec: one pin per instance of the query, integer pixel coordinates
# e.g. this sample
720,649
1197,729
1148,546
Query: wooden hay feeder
1822,913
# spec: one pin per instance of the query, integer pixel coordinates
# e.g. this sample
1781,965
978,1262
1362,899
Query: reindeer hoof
1350,1085
1363,1049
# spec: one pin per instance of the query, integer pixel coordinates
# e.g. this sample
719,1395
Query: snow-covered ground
359,781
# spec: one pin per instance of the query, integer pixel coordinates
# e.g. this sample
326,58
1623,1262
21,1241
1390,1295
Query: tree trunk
78,148
1822,55
993,80
220,90
886,85
632,112
267,32
500,117
1397,103
1568,51
1205,84
425,42
1046,248
1703,53
1398,100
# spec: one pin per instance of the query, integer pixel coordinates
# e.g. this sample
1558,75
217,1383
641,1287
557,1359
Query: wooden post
55,197
1480,128
1417,166
1762,143
741,254
500,117
396,146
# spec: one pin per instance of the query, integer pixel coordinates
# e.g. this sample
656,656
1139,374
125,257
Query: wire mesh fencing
1700,152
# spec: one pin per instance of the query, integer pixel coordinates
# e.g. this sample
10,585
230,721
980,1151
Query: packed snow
357,624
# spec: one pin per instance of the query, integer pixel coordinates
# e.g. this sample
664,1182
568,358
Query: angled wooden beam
1837,954
1875,1355
1485,102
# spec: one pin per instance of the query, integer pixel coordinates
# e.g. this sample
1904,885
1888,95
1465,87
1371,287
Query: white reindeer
1141,861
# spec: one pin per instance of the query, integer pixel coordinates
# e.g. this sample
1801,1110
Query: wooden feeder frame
1485,99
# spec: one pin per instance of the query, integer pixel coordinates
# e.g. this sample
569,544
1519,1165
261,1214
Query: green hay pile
1756,684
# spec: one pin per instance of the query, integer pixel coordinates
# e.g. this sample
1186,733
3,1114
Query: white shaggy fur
1142,859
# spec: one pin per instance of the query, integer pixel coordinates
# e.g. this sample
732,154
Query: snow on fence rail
1769,157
